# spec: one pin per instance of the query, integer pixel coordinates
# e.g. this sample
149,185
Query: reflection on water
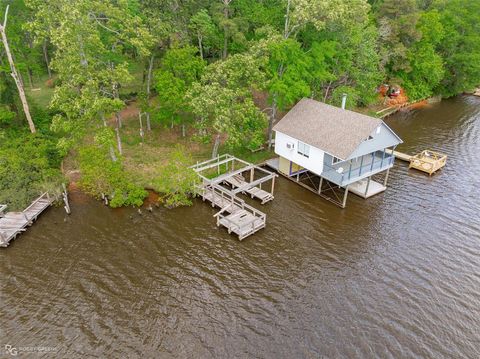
395,276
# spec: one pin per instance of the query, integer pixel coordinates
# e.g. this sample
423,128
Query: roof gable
329,128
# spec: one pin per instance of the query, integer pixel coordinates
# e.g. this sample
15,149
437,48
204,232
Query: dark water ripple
396,276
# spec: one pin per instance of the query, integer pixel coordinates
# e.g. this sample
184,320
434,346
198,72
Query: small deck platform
14,223
426,161
366,190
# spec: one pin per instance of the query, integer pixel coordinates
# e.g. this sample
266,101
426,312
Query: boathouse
331,150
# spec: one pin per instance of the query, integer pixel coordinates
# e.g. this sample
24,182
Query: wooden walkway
399,155
238,181
14,223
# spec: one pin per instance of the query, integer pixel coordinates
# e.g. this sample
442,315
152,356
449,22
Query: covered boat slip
230,170
222,179
14,223
333,192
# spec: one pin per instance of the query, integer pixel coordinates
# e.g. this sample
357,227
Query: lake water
394,276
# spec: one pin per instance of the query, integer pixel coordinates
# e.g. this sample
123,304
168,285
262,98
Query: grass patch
144,159
41,94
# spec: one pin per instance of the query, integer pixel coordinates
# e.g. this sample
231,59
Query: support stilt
368,185
386,178
344,203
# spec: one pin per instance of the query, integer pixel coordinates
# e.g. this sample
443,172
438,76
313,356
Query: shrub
176,180
101,175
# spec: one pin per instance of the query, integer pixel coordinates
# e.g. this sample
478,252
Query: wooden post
65,199
320,185
273,184
345,197
386,178
15,75
251,174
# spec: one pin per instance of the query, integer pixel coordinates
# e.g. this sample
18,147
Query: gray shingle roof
329,128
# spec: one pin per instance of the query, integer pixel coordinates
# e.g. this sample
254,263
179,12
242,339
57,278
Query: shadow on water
392,276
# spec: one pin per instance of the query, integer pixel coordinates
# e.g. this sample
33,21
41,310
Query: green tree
223,103
427,69
397,22
202,26
179,69
460,48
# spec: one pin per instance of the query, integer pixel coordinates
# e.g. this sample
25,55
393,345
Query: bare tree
15,74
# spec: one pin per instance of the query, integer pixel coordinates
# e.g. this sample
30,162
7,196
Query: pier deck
235,214
14,223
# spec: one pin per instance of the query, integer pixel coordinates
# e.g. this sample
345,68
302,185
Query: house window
303,149
335,160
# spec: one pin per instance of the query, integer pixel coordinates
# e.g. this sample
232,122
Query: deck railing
344,173
234,201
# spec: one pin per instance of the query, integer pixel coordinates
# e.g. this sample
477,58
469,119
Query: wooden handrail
34,202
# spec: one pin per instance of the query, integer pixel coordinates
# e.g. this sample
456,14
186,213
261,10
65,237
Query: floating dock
14,223
428,161
222,179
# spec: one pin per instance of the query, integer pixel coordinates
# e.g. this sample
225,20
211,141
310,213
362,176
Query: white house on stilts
332,151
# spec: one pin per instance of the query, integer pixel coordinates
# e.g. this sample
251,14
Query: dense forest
126,93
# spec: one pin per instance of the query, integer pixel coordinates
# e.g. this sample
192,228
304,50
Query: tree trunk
149,83
119,140
147,115
225,30
45,56
200,46
15,76
271,121
112,151
183,130
30,77
149,75
215,146
327,91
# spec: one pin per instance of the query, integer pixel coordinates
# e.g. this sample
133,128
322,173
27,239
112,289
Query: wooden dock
426,161
235,214
14,223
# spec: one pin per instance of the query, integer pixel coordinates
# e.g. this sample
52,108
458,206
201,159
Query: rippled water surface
394,276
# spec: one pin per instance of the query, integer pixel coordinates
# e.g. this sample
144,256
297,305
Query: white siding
313,163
